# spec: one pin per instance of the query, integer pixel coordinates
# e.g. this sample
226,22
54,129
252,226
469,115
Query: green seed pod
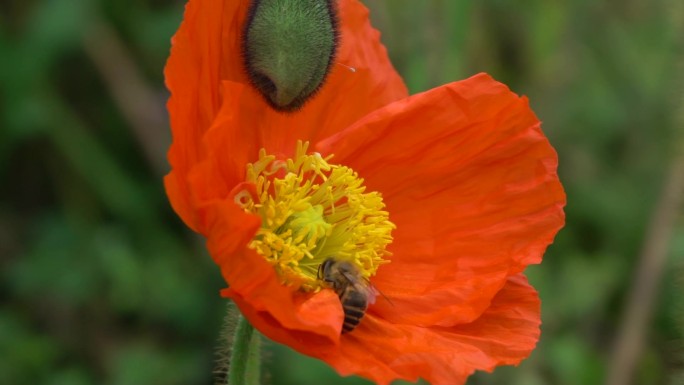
288,48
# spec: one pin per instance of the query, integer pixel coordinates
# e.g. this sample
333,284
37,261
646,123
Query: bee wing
365,285
373,292
362,284
349,277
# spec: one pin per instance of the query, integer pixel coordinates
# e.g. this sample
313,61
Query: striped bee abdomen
354,303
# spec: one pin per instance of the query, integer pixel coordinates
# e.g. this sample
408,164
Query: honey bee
355,292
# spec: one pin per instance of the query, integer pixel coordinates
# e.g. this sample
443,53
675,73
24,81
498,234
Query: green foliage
102,284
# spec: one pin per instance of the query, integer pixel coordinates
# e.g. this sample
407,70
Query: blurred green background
102,284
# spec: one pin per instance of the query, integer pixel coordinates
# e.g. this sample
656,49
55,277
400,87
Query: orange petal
346,97
310,324
193,77
470,181
206,53
243,124
504,334
282,313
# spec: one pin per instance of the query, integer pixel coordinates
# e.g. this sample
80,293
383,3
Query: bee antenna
381,293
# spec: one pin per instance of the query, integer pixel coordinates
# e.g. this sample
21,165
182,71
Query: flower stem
245,360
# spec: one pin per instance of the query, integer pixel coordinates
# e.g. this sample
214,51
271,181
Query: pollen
312,210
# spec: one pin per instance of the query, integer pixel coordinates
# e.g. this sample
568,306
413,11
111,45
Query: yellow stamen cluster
312,210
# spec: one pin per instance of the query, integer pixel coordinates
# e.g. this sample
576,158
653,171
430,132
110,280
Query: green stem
245,360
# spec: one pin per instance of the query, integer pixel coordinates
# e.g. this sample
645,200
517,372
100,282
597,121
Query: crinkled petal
346,97
206,53
310,324
193,75
470,181
282,313
504,334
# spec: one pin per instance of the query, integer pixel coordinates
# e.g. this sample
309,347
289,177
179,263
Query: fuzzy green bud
288,48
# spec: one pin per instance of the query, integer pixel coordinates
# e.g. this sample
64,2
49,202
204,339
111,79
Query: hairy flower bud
288,48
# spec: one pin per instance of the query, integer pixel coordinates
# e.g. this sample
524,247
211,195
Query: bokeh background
102,284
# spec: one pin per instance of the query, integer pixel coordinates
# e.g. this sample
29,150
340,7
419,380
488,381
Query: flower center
312,210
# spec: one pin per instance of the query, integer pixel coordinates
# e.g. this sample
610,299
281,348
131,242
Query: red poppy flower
440,199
